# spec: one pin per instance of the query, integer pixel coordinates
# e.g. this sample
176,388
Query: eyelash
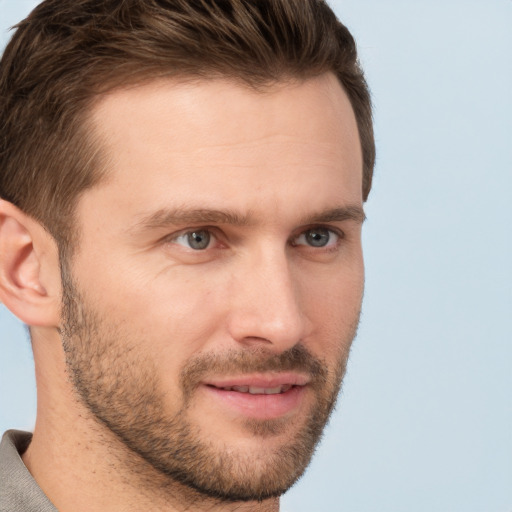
329,246
338,234
191,232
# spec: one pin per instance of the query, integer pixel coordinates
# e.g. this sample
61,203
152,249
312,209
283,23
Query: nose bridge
267,305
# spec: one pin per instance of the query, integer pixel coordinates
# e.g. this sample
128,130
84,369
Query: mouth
258,396
254,390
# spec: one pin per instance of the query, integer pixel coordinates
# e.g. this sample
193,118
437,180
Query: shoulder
19,492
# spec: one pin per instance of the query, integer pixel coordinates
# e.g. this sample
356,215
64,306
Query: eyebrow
352,212
179,216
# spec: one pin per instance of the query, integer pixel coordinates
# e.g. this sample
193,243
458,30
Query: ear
29,268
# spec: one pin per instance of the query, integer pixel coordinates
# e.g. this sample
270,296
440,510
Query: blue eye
317,237
197,240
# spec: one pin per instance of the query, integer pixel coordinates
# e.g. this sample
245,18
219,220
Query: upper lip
260,380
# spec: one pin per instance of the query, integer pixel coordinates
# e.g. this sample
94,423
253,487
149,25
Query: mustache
297,358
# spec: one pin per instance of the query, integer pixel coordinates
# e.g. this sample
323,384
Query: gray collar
19,491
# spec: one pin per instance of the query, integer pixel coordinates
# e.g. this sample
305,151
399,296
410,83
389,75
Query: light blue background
425,419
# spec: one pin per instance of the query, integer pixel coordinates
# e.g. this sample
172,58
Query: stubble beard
119,385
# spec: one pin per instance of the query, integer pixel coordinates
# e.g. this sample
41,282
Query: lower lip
260,406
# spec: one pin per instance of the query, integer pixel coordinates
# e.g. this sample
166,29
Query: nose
267,306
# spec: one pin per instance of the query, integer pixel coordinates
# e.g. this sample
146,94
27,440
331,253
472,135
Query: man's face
216,289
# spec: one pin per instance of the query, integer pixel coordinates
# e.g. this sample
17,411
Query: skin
277,164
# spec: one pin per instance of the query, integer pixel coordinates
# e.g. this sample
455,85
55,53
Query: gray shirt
19,491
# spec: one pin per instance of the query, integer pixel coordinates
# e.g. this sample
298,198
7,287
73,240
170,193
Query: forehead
219,140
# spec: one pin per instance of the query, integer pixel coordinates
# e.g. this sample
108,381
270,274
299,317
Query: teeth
273,391
253,390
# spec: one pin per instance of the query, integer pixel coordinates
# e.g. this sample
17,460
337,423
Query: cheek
176,320
333,307
147,293
165,318
335,294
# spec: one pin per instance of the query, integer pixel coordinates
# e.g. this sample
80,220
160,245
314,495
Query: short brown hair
68,52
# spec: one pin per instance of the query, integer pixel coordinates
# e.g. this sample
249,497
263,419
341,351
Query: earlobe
29,271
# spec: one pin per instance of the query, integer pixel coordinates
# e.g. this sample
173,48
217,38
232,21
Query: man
181,193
